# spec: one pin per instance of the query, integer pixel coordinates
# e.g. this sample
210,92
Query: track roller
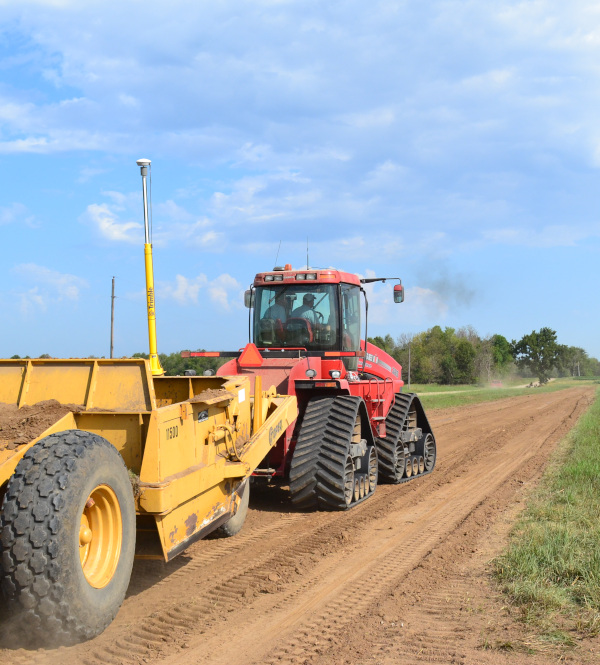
415,465
372,471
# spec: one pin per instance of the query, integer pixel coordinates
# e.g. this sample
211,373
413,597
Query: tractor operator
306,309
277,309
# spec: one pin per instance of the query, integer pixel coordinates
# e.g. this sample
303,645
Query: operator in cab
306,309
277,309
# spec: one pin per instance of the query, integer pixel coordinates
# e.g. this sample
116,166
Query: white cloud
559,235
268,198
49,286
171,223
379,117
106,221
222,289
16,213
387,175
31,300
187,291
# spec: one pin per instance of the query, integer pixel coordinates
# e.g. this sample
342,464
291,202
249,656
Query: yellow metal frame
191,441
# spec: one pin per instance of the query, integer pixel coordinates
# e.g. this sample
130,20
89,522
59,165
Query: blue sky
453,144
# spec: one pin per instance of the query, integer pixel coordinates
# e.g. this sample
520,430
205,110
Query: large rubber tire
319,469
234,524
57,592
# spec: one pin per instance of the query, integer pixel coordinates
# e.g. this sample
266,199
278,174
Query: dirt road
399,579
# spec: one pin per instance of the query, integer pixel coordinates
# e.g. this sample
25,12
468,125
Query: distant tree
502,353
537,352
484,360
175,365
386,343
574,361
15,357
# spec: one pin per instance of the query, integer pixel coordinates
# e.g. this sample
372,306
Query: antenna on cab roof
307,262
277,256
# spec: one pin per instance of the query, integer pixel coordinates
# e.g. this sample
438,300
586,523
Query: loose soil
20,426
401,578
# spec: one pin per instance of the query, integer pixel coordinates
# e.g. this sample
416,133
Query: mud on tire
46,583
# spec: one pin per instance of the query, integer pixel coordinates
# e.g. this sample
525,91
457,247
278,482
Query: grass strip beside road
551,568
476,395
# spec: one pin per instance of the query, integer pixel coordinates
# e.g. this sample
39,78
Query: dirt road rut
397,579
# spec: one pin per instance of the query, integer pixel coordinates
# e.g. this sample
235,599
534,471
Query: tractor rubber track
318,467
388,449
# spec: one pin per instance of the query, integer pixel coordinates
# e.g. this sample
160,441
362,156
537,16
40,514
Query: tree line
449,356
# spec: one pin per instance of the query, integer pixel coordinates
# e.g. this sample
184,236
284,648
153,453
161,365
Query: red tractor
355,425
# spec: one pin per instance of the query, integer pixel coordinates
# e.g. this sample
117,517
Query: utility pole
112,318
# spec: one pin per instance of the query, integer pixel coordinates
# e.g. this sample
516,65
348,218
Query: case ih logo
377,361
275,432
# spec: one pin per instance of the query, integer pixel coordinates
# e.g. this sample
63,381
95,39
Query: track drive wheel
234,524
68,538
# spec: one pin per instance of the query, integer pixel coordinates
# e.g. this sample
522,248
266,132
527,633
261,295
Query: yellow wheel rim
100,536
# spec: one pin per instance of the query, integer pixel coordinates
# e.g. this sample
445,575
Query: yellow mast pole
155,365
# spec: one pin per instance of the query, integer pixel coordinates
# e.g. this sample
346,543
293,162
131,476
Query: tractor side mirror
249,298
398,293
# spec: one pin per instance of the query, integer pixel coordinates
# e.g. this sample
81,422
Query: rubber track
317,468
395,423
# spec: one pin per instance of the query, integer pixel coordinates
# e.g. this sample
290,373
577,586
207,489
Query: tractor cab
316,310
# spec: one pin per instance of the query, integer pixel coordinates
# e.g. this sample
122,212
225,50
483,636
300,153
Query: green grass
473,395
551,568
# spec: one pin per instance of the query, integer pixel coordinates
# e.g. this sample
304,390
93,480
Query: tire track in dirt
299,629
290,577
445,617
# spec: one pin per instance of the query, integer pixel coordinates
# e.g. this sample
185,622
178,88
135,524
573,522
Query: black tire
48,497
234,524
